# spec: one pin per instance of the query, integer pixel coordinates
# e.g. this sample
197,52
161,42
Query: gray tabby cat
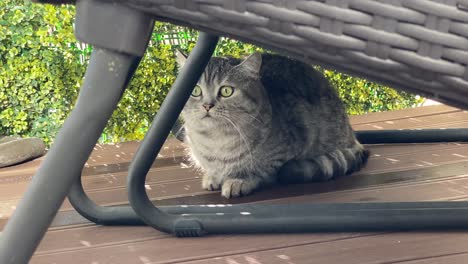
266,119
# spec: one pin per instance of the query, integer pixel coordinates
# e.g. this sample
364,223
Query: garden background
42,65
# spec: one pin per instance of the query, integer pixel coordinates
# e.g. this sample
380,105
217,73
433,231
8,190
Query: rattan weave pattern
419,46
416,45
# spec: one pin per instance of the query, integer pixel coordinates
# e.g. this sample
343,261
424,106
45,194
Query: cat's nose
208,106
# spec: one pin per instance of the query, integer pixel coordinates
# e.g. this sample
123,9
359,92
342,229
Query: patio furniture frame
120,33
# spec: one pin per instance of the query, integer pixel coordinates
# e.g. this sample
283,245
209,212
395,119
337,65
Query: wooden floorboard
370,249
405,172
442,259
173,250
83,240
401,114
450,120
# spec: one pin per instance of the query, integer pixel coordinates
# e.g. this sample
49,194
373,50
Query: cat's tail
325,167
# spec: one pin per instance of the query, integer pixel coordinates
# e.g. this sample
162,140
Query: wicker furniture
416,45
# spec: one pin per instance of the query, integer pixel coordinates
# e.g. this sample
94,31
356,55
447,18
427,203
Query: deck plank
373,249
450,120
443,259
401,114
389,193
174,250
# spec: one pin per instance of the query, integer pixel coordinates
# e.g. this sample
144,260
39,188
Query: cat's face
229,94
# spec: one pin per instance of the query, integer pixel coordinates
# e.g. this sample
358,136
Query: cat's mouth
207,115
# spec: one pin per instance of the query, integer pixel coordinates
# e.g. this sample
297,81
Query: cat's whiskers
242,136
251,124
245,113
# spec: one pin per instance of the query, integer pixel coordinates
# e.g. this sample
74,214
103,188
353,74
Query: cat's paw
238,187
210,184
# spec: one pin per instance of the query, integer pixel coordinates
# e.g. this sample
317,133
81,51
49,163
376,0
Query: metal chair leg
111,66
160,128
101,215
98,23
64,162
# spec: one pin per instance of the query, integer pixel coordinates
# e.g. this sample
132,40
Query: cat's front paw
210,184
238,187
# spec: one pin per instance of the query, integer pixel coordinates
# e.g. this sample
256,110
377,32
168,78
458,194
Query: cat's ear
252,62
181,58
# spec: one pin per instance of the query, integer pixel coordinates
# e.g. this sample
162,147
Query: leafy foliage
361,96
39,73
42,64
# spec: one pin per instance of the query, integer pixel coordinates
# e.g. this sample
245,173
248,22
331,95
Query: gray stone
14,150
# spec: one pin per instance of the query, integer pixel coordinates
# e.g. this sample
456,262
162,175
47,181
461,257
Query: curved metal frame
149,149
164,218
194,221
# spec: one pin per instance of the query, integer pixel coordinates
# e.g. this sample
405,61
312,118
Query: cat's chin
208,120
207,116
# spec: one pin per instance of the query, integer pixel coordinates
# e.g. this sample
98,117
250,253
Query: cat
266,119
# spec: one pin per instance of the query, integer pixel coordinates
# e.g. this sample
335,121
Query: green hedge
42,65
361,96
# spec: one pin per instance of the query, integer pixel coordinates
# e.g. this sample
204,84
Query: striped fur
337,163
283,122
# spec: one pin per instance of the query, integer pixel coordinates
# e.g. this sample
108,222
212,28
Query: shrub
361,96
39,73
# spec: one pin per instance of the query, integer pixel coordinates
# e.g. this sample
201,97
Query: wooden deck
394,173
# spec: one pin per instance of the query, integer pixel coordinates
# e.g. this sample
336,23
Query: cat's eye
226,91
196,91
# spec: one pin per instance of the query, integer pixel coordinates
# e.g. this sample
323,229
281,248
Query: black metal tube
101,215
254,218
412,136
317,207
99,96
309,218
337,217
159,130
